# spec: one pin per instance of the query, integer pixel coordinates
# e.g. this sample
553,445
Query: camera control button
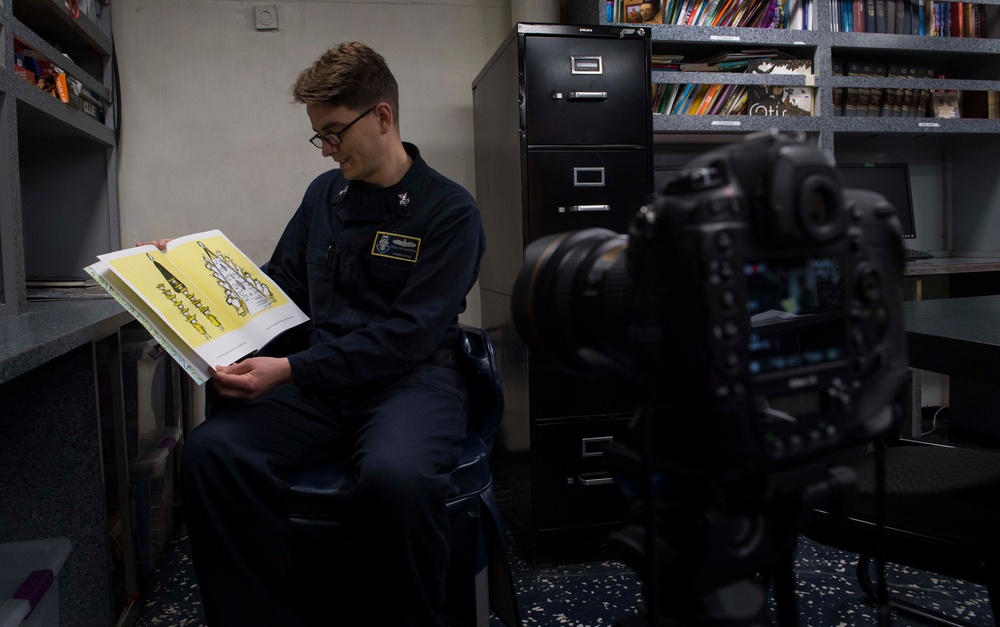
730,329
726,270
728,300
731,361
724,240
717,206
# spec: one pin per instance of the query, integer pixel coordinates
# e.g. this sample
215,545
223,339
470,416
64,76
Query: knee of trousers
396,493
208,450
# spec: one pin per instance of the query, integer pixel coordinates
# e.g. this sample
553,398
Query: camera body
757,302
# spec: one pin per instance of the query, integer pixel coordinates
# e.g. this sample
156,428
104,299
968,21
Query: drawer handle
594,447
588,177
587,95
584,208
596,480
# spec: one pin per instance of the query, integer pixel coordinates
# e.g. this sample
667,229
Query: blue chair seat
320,491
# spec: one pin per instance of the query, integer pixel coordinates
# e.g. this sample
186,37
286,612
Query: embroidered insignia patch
396,246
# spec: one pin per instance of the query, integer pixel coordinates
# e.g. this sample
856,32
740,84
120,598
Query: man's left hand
251,377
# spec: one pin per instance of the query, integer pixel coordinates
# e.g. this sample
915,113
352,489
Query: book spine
925,95
875,94
838,92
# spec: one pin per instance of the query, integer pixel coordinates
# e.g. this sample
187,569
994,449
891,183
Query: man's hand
159,243
251,377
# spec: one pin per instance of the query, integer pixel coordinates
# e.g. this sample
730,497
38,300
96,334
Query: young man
380,254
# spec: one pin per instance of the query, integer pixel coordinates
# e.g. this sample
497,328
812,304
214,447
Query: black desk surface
957,336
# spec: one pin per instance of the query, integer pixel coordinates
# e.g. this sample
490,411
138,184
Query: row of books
916,17
34,68
730,99
728,61
789,14
876,102
692,99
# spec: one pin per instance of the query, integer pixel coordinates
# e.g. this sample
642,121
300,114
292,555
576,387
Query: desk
955,336
51,470
920,268
959,337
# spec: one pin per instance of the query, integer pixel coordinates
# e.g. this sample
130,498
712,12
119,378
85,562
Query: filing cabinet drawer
586,91
573,485
555,393
579,189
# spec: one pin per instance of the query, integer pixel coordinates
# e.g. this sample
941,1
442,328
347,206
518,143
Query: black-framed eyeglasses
334,139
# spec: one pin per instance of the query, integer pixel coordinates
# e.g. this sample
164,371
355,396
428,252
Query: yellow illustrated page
165,287
227,276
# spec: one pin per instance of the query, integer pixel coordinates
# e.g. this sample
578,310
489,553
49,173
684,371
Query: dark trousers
403,440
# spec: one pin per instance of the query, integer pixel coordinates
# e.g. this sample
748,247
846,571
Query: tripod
707,551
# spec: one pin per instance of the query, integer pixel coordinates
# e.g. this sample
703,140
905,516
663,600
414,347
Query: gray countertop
49,329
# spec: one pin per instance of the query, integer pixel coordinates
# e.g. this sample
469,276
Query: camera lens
570,298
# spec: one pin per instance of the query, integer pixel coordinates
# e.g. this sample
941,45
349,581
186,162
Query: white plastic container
29,582
153,483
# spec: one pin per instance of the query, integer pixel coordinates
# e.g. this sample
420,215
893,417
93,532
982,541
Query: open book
202,299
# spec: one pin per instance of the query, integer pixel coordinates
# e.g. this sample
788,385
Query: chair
941,513
478,575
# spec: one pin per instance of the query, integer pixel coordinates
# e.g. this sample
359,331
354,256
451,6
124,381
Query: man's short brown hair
349,75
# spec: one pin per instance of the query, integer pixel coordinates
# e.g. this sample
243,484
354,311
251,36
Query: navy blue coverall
383,274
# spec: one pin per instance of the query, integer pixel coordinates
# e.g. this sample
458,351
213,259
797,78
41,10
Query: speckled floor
598,594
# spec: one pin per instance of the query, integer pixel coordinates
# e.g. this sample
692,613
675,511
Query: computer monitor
892,180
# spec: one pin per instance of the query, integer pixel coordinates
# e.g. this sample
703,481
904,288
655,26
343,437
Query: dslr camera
758,306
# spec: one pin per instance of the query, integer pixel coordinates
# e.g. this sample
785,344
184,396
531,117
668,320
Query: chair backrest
479,363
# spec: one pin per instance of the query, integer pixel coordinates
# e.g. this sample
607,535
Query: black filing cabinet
563,135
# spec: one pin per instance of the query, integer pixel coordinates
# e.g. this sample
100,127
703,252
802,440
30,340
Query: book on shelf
643,11
945,103
858,17
876,95
202,299
838,92
924,95
893,105
880,18
780,100
852,93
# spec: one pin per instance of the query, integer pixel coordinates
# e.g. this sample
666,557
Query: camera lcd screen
796,313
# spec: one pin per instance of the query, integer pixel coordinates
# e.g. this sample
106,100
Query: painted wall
210,137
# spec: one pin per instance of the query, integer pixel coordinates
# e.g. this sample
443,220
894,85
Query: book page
173,296
249,300
208,293
191,363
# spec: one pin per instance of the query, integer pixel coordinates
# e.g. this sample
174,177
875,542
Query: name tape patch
396,246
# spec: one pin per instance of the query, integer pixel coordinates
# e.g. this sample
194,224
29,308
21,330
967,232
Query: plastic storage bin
153,481
145,367
29,582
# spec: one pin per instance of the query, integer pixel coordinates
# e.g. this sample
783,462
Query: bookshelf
58,198
957,203
60,362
